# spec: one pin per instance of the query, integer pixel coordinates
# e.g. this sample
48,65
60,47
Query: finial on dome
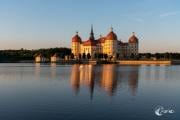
76,32
111,28
133,33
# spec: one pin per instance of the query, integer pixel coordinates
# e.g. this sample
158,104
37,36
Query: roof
89,43
76,38
101,40
133,39
111,36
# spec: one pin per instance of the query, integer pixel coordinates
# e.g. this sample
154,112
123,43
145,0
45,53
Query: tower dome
133,39
111,35
76,38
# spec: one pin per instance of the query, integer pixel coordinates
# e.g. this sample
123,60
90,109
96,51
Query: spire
92,29
91,34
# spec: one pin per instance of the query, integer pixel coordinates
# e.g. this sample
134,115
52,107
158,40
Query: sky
34,24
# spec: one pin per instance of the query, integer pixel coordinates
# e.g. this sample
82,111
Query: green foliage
88,56
72,56
105,56
80,56
22,54
160,56
84,56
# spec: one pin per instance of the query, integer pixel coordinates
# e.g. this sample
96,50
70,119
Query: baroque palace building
109,45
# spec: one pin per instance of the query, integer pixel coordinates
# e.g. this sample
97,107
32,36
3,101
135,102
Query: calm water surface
88,92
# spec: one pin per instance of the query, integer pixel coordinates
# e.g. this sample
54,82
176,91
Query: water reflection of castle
108,77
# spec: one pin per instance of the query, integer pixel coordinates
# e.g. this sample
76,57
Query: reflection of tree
133,79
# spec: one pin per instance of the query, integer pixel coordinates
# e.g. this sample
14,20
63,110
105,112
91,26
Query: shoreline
118,62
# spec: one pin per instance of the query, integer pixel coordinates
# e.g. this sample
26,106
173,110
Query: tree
95,55
84,56
117,55
79,56
105,56
88,56
72,56
167,56
124,56
137,57
110,57
23,54
101,55
132,56
148,55
157,55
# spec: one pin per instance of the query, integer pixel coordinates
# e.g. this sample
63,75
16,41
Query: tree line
160,56
23,54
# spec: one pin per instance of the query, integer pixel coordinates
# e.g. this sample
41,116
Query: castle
108,45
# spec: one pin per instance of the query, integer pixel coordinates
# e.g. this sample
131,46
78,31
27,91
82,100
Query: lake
88,92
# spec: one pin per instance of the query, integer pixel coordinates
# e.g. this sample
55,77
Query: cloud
167,14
